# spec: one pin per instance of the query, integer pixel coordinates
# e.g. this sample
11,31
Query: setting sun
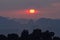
32,11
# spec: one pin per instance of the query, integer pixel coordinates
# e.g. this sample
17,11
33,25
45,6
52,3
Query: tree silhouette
56,38
52,34
24,35
3,37
47,35
13,36
37,34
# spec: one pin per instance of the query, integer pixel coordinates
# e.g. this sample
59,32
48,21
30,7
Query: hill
17,25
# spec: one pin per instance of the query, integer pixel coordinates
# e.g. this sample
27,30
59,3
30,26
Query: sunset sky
17,8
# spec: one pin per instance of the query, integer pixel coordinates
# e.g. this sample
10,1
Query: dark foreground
37,34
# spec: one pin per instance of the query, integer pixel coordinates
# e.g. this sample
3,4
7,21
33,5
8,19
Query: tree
24,35
13,36
35,35
56,38
3,37
46,35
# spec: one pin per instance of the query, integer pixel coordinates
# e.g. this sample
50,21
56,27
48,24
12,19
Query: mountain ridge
15,26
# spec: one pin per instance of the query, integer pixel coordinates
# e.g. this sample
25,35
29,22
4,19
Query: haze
16,8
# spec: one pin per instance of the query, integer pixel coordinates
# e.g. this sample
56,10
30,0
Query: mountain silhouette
8,25
17,25
49,24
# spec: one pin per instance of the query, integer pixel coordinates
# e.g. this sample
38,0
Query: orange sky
16,8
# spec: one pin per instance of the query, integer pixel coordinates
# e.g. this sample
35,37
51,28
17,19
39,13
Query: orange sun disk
31,11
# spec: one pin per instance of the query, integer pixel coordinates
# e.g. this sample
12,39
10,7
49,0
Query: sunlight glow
32,11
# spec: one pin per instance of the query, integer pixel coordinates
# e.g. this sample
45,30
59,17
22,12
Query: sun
32,11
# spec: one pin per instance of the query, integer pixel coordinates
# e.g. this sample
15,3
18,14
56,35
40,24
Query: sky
17,8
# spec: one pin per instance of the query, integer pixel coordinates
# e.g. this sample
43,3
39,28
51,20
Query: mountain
7,25
49,24
17,25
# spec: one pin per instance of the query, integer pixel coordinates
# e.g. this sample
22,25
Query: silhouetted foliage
56,38
47,35
24,35
3,37
12,37
37,34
